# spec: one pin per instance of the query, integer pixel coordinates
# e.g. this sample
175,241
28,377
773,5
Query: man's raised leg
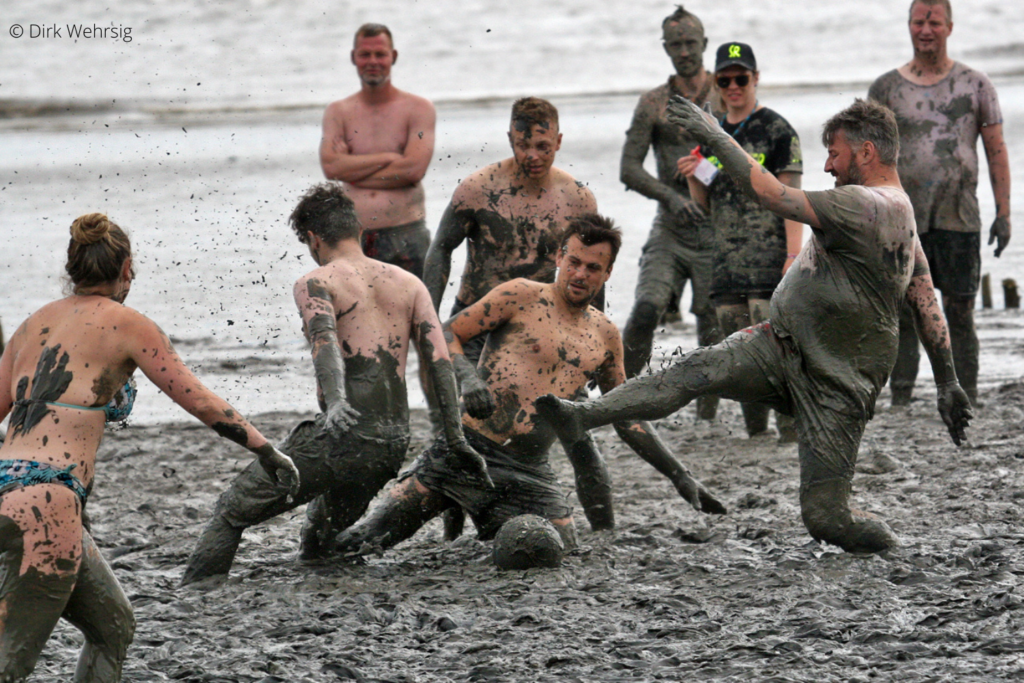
729,370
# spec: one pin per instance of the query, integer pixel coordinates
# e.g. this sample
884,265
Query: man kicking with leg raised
832,334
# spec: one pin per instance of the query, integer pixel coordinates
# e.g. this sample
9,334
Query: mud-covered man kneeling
540,338
360,316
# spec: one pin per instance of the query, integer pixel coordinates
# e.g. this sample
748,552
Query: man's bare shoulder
655,97
566,182
342,106
520,290
341,279
602,325
577,195
414,102
474,191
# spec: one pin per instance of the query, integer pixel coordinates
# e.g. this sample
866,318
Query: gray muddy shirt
939,127
840,300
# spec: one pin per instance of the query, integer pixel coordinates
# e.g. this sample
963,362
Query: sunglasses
741,81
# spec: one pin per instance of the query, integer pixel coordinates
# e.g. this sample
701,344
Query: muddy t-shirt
840,300
750,241
939,127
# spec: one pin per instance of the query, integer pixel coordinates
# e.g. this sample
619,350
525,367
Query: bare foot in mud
563,416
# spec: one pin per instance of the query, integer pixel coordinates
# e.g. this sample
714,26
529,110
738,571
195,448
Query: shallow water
270,53
206,200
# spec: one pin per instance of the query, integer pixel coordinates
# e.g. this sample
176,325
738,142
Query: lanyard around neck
742,123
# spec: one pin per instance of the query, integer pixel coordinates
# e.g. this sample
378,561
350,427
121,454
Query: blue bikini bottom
15,474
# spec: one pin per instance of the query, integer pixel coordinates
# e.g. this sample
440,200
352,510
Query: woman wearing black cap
753,247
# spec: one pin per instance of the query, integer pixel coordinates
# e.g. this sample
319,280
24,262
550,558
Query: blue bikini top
117,409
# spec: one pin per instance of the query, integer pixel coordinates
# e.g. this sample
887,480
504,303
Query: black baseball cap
735,54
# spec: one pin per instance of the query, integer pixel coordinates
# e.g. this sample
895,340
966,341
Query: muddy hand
686,209
280,468
699,124
341,417
955,409
477,398
563,417
1000,233
697,495
470,461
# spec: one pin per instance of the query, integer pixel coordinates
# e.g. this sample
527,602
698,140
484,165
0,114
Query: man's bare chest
550,348
368,132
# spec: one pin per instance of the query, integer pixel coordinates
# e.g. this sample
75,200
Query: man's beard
853,175
375,81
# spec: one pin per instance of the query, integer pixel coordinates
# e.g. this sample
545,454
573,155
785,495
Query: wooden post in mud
1010,294
986,291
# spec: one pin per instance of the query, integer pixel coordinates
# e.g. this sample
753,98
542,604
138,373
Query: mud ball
528,541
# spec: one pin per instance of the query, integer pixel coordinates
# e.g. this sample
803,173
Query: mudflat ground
669,595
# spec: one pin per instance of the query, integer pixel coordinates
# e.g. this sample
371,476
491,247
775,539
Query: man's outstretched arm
320,327
493,310
954,406
750,176
437,266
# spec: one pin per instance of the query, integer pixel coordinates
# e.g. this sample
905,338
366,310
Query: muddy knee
107,642
825,509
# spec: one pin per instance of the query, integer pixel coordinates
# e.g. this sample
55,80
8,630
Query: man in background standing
378,142
941,108
679,247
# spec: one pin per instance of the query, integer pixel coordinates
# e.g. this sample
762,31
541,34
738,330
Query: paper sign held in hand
705,171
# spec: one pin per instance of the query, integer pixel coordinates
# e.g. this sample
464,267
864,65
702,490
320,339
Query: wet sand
669,595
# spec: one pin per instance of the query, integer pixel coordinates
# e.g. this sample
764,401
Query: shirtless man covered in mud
512,214
360,316
378,142
541,338
680,246
830,341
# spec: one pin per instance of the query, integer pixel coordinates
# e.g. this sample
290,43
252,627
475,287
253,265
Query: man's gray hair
866,121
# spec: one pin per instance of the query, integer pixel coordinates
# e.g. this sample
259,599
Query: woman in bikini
65,372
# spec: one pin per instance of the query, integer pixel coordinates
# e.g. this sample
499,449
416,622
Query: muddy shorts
669,259
403,245
348,470
521,486
91,599
954,259
755,365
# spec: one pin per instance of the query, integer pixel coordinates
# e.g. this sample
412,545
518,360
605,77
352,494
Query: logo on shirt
758,157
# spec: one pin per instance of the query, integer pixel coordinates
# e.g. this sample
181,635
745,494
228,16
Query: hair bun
90,228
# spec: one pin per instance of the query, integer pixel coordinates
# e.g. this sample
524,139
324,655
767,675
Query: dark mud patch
670,595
